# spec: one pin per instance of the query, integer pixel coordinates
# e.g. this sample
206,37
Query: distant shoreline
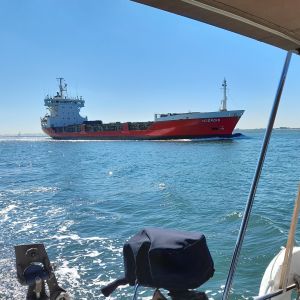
23,135
277,128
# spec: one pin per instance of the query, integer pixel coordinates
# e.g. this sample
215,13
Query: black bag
165,258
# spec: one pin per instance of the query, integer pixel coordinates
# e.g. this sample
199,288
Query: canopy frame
273,22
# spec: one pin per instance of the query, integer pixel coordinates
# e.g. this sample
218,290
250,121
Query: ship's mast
224,101
62,87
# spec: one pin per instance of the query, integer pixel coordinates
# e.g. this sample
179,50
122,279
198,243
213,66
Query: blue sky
130,61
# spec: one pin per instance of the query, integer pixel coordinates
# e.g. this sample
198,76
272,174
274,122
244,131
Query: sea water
83,200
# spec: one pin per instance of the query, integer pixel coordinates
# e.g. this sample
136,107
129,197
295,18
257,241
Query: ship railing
59,97
44,120
53,101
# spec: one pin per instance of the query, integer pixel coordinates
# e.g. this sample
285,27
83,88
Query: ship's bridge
63,110
52,101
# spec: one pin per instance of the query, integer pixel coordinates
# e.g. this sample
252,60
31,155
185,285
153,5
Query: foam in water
4,213
69,201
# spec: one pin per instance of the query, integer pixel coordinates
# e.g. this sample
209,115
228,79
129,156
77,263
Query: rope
135,290
290,245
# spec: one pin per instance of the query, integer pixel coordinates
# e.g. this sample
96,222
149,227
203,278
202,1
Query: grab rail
255,181
277,293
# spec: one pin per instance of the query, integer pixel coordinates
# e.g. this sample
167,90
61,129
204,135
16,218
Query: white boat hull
271,278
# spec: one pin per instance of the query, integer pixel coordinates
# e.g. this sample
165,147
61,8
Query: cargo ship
63,121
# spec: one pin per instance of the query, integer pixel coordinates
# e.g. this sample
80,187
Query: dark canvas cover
166,258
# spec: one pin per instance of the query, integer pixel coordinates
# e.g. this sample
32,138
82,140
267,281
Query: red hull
176,129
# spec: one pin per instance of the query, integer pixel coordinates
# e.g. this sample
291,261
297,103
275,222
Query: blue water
84,199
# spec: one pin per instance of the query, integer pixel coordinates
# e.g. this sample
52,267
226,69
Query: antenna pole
225,96
256,177
61,89
224,101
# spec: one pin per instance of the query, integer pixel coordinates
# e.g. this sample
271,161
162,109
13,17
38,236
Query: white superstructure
198,115
63,110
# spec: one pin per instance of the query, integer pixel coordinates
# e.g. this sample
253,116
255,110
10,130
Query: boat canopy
275,22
